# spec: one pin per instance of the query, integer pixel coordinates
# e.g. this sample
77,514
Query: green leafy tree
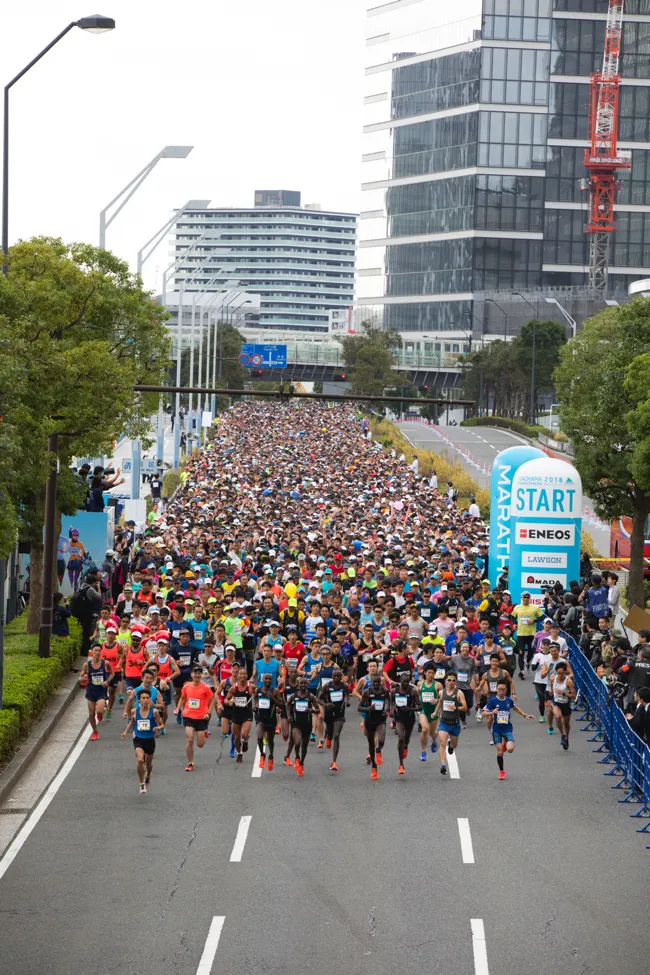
603,385
78,333
370,359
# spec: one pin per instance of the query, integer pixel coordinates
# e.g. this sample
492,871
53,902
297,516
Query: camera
108,471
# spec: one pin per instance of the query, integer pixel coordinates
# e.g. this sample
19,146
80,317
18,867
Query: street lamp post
531,412
169,152
572,322
505,318
95,24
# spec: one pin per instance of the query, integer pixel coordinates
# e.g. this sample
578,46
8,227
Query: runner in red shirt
293,649
196,702
112,653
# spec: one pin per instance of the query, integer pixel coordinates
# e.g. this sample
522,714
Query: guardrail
622,749
559,446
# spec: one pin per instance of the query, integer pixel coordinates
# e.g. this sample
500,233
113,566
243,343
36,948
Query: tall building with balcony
473,144
299,260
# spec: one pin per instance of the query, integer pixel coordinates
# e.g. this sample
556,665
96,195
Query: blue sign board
264,356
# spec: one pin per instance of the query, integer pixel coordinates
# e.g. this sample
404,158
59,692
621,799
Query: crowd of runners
303,576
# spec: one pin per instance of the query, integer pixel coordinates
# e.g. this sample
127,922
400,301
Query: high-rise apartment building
300,261
474,136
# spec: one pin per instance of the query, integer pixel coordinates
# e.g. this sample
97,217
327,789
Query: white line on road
30,825
257,771
452,762
240,839
211,945
479,946
466,847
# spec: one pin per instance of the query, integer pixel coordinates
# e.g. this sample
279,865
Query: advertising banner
504,468
546,523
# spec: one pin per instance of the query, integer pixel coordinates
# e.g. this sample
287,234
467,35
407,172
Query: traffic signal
257,373
341,377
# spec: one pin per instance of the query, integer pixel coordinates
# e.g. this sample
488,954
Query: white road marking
479,946
30,825
240,839
211,945
452,763
257,771
466,847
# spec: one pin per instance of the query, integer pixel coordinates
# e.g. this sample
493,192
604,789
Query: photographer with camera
103,480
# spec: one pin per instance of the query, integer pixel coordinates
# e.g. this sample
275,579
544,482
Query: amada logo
545,534
535,580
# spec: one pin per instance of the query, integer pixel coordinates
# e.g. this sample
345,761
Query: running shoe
423,756
550,731
147,778
565,743
502,775
380,760
300,770
277,729
450,749
321,743
434,747
479,716
367,759
94,736
207,733
262,761
522,675
190,767
244,746
232,751
120,699
401,770
541,719
143,788
328,743
464,725
491,741
296,764
334,767
239,758
374,774
561,739
287,761
443,769
312,737
270,765
163,731
107,714
100,718
406,753
179,718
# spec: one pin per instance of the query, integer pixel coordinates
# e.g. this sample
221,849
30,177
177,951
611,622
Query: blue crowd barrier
627,756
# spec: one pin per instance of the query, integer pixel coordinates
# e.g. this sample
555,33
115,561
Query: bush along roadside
517,426
29,680
389,435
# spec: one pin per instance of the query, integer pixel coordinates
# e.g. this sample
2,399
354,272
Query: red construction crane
602,158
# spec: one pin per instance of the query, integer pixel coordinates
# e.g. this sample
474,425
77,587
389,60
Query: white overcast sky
269,92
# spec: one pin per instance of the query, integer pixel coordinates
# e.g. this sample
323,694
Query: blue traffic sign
265,356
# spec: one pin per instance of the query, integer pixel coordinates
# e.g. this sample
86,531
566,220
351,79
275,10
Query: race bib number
367,657
503,717
463,676
378,705
184,659
241,702
448,706
493,686
194,704
526,620
401,700
302,706
336,696
428,697
507,650
144,724
440,673
263,703
97,679
325,681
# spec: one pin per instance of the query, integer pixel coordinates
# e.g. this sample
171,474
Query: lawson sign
545,527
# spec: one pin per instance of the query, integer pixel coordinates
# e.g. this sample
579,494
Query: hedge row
29,680
517,426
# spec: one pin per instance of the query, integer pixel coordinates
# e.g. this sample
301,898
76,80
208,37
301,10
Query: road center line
466,847
211,945
240,839
452,762
257,771
479,946
30,825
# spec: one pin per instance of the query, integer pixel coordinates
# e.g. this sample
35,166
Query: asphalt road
337,874
483,444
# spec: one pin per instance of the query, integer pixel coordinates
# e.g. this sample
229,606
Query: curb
29,749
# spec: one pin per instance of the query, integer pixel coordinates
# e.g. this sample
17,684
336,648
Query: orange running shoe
380,760
328,743
406,752
270,765
94,736
100,718
334,767
277,729
320,743
287,761
301,770
374,774
401,770
262,761
296,764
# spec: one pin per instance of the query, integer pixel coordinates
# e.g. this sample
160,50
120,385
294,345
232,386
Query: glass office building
299,260
475,127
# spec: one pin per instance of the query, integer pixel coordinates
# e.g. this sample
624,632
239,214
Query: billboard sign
504,468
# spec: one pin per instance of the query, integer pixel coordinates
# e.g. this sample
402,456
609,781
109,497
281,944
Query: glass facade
473,153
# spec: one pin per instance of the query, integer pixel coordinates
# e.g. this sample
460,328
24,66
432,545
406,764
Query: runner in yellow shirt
526,615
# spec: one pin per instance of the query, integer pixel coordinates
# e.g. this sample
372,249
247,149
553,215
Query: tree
370,357
78,333
550,336
603,385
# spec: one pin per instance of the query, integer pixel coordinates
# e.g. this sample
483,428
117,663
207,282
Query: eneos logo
545,534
